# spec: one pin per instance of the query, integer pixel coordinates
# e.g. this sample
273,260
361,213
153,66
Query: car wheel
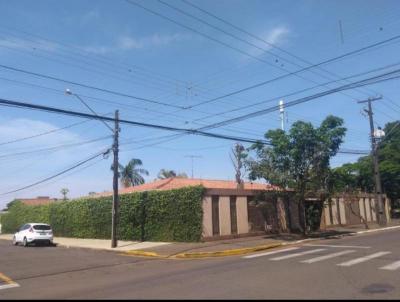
25,242
14,241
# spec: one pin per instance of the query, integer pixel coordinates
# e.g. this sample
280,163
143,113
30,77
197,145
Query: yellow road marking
9,282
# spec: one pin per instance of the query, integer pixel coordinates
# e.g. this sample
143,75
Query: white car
33,233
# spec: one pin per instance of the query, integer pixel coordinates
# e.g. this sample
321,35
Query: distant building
40,200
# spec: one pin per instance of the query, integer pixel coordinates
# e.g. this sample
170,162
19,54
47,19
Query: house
228,209
40,200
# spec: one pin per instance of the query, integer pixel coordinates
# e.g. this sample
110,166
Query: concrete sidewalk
99,244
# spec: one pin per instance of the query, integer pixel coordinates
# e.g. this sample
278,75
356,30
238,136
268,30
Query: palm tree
163,174
64,192
131,175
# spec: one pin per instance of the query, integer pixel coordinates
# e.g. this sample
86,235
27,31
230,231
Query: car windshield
42,227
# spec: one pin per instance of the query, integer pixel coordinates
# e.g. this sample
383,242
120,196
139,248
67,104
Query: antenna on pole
282,114
193,157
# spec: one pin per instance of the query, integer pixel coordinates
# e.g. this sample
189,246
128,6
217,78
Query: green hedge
174,215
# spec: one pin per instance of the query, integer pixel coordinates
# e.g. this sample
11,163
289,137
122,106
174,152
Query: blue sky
118,46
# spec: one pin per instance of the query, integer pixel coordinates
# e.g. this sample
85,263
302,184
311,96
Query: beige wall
373,209
335,214
326,214
368,209
241,213
224,216
207,217
361,205
342,211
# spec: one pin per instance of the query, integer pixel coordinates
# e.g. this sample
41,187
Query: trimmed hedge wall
174,215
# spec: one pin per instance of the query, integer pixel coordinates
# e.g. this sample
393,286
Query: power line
92,98
9,103
298,91
253,36
57,174
298,71
87,55
89,86
234,48
59,147
4,102
43,133
364,82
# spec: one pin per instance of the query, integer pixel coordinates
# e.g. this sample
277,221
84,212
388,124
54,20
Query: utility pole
114,220
379,206
192,157
115,131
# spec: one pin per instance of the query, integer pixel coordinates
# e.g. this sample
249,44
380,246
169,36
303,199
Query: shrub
174,215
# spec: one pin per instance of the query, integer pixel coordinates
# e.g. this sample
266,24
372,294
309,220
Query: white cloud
35,44
127,43
276,36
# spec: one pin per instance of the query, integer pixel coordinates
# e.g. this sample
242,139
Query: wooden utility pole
114,220
379,206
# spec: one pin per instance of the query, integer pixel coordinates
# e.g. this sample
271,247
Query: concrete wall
224,216
335,214
326,214
366,205
242,215
342,211
207,217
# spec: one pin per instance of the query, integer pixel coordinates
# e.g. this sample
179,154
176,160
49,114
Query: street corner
6,282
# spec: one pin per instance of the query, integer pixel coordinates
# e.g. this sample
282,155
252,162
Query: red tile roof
177,183
41,200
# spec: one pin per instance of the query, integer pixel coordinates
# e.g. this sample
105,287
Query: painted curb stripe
342,246
297,254
270,253
6,286
391,267
329,256
363,259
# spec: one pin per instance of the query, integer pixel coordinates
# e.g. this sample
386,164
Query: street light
69,92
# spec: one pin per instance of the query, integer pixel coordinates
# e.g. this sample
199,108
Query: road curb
232,252
143,254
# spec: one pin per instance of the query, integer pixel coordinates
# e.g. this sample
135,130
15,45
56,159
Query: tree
362,177
356,176
237,157
131,175
389,160
163,174
64,192
10,204
299,159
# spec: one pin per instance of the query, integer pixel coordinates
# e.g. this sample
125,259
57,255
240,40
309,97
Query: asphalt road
363,266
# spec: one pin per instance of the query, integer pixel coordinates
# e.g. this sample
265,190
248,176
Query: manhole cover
377,288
